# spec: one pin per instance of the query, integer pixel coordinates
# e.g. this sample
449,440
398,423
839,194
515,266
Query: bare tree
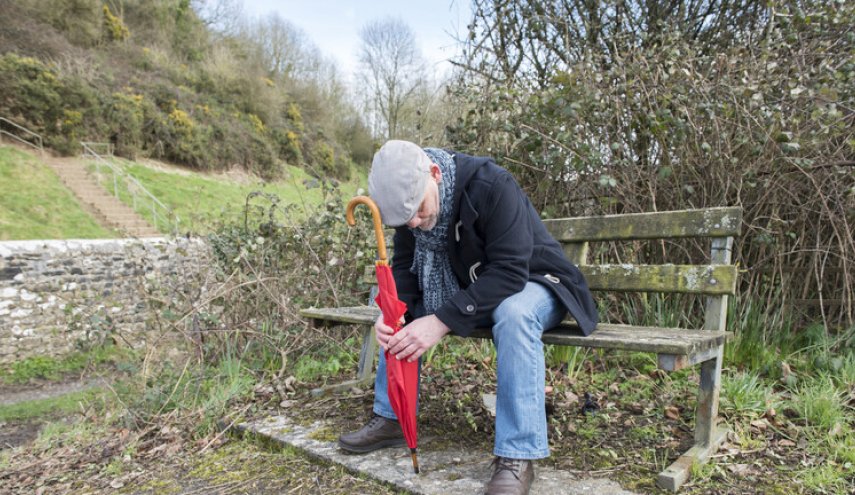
221,15
527,41
283,45
392,69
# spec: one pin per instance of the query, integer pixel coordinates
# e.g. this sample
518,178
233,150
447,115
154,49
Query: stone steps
98,201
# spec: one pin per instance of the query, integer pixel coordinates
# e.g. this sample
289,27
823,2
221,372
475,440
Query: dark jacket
497,243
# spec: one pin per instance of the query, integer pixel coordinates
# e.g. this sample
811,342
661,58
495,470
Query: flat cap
399,175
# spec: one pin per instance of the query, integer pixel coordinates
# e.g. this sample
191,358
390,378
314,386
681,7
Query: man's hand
416,338
382,331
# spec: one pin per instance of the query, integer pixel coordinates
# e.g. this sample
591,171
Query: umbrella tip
415,461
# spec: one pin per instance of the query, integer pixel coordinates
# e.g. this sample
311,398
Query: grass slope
201,201
35,205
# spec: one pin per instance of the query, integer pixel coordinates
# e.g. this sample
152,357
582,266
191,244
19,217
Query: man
471,251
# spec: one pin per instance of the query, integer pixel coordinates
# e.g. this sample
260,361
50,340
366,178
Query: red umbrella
402,376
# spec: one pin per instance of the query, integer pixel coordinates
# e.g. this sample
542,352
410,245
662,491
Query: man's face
425,219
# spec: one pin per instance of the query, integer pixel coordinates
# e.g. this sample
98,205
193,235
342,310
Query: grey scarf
431,263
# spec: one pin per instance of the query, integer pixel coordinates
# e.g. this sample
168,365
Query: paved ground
442,471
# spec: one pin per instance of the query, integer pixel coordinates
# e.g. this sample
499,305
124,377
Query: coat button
470,308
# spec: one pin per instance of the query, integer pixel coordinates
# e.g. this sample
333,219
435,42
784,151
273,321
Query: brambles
638,116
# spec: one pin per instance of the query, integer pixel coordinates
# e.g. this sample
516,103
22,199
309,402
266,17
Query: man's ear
435,172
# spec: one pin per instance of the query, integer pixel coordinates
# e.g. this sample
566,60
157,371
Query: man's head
403,182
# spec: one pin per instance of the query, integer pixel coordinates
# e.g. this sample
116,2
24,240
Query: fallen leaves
672,412
760,424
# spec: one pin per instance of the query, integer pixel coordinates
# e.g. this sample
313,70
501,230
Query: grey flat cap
397,181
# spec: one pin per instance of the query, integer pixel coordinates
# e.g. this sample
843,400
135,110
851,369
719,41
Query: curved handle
378,224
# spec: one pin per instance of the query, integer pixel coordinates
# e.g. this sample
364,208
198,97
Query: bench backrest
716,279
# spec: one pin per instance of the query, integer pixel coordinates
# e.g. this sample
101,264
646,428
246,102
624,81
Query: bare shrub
762,119
236,323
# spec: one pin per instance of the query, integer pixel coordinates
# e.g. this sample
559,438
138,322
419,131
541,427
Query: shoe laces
377,420
507,464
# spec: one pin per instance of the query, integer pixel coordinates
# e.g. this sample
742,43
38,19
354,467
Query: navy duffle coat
496,243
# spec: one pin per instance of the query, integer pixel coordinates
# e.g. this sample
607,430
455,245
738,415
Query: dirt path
15,395
17,432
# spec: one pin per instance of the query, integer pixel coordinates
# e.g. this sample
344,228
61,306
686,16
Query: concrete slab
442,471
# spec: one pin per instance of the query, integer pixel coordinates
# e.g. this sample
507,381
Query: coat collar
463,214
467,166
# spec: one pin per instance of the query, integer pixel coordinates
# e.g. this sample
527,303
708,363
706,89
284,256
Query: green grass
52,368
64,404
57,433
822,405
747,395
328,361
201,201
34,204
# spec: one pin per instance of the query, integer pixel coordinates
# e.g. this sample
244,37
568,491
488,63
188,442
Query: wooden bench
676,348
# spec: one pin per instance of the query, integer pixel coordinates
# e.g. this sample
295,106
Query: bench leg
367,355
708,436
364,373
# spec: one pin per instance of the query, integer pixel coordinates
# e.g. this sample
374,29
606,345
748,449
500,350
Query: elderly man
471,251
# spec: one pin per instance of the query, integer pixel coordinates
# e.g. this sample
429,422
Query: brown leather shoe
378,433
510,477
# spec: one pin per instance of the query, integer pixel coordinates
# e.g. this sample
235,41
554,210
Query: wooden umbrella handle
378,223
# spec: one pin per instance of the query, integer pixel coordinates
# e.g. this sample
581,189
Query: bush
38,97
169,91
125,117
664,120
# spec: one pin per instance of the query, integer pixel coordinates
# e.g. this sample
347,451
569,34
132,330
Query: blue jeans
519,322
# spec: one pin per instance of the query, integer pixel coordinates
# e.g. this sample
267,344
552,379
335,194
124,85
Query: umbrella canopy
402,376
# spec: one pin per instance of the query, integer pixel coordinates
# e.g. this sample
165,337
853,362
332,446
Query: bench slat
688,279
710,222
360,315
677,341
685,279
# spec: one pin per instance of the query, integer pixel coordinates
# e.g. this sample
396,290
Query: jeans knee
515,322
513,312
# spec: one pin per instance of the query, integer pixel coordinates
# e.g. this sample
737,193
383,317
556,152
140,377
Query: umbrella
402,376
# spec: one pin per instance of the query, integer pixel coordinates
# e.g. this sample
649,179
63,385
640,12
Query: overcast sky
333,25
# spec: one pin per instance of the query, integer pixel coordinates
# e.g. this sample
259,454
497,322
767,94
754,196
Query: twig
598,471
25,468
741,452
229,485
227,428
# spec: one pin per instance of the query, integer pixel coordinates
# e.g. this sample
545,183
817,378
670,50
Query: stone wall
57,296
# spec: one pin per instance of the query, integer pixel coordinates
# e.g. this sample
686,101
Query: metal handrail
39,145
88,152
93,145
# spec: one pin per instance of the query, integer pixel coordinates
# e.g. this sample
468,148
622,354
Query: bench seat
686,346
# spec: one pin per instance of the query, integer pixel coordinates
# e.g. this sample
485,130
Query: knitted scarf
431,263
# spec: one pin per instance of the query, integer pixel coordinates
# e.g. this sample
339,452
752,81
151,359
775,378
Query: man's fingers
416,355
407,347
399,342
395,343
406,351
382,333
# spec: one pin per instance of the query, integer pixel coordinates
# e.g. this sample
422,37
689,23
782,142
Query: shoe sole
355,449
